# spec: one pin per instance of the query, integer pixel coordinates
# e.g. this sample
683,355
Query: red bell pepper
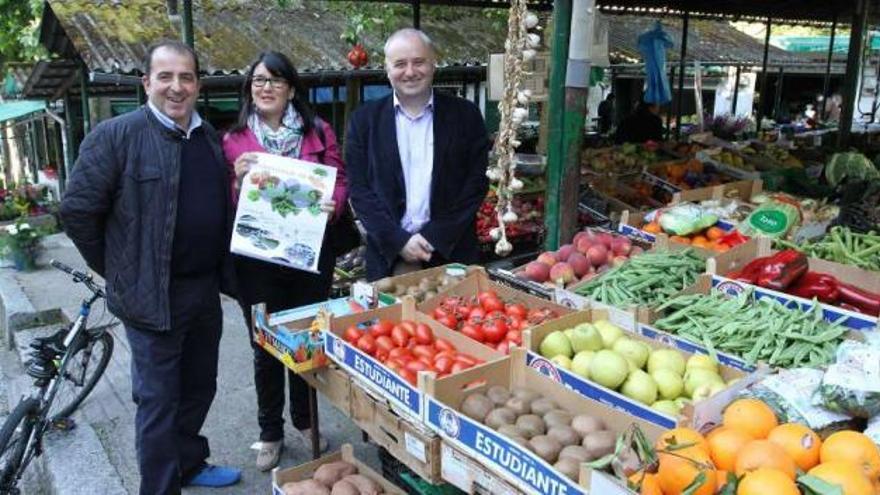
865,302
776,272
821,286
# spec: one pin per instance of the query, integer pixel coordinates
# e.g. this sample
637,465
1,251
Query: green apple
562,361
702,392
555,344
568,332
699,377
681,402
608,369
633,349
670,385
631,365
667,407
585,337
609,332
702,361
641,387
580,365
717,387
666,359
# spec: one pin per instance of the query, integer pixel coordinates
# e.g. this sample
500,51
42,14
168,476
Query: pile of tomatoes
409,347
489,320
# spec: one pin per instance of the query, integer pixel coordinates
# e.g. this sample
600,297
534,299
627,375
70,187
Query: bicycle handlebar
78,276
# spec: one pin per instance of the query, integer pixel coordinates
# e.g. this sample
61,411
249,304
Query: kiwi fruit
531,425
599,443
498,394
558,417
547,448
519,406
543,405
500,416
511,431
477,407
568,466
385,285
585,424
577,452
565,434
526,394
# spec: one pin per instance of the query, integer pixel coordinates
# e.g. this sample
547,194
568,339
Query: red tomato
486,294
514,337
448,321
398,352
467,359
492,304
443,345
416,365
477,315
443,364
394,364
440,312
517,310
503,347
409,326
459,366
515,322
424,351
495,330
474,332
352,334
449,354
367,344
424,334
409,375
399,336
385,344
381,327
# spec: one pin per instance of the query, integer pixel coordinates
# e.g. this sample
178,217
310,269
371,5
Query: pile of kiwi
426,288
561,438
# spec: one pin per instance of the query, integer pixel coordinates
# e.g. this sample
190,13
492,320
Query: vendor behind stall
642,125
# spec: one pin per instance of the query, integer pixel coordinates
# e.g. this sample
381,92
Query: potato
343,487
531,425
558,417
511,431
564,434
476,407
525,394
306,487
498,394
546,447
543,405
519,406
576,452
500,416
365,485
599,443
585,424
569,467
328,474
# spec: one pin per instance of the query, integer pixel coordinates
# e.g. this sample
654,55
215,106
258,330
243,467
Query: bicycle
61,365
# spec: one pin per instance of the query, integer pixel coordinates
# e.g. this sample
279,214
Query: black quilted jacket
120,209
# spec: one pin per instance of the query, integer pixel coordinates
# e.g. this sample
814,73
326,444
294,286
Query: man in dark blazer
416,162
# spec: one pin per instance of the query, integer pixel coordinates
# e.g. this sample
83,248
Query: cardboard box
519,466
403,397
298,344
631,224
532,340
742,190
307,470
333,383
454,270
470,475
408,441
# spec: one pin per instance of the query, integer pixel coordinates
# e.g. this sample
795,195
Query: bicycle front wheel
84,368
13,442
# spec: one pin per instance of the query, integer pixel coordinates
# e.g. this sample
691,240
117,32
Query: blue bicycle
65,366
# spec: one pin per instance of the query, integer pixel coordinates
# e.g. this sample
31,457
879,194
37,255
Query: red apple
561,273
579,264
605,238
583,245
621,246
548,258
537,272
597,254
564,252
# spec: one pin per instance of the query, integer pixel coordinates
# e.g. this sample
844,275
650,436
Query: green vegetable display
842,245
649,278
763,330
849,165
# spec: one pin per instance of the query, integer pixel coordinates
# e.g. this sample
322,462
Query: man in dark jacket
416,164
642,125
148,208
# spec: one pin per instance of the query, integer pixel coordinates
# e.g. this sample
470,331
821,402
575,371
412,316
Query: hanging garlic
520,113
528,54
510,216
533,40
503,247
516,184
515,142
493,173
495,233
522,98
531,20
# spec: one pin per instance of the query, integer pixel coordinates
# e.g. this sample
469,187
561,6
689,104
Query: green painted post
556,122
186,22
84,99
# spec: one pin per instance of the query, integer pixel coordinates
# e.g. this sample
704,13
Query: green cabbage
850,164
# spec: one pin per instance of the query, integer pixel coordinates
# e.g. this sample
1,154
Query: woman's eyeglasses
274,82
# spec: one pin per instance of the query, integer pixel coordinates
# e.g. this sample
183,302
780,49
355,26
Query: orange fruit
724,445
679,239
701,242
652,228
720,479
764,453
799,442
682,436
844,474
852,447
699,238
676,473
715,233
767,481
646,483
751,416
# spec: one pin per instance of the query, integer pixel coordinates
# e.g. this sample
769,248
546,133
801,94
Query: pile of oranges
763,457
706,239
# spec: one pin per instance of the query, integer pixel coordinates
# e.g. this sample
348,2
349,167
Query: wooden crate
307,470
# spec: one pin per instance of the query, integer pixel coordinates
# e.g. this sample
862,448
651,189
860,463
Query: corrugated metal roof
112,36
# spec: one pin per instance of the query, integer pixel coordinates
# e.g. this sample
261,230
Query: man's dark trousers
174,379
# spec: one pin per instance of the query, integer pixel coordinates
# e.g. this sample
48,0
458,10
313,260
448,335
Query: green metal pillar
69,151
556,121
762,99
186,23
84,99
685,22
851,84
826,82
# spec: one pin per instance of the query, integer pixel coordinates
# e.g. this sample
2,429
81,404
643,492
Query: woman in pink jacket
276,118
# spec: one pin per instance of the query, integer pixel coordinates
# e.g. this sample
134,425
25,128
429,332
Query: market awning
15,109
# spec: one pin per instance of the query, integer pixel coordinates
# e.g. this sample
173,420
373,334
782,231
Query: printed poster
279,217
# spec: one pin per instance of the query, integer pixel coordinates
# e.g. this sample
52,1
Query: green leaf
731,485
817,486
253,195
602,462
696,484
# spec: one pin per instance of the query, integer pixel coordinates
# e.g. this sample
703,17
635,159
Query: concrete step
74,462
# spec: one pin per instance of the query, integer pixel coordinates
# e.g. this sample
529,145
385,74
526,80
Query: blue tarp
19,108
653,45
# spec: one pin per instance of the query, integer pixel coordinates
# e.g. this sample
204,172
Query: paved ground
231,425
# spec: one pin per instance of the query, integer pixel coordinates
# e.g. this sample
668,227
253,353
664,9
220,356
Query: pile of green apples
660,378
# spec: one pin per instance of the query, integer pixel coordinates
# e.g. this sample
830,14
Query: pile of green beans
842,245
763,330
648,278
